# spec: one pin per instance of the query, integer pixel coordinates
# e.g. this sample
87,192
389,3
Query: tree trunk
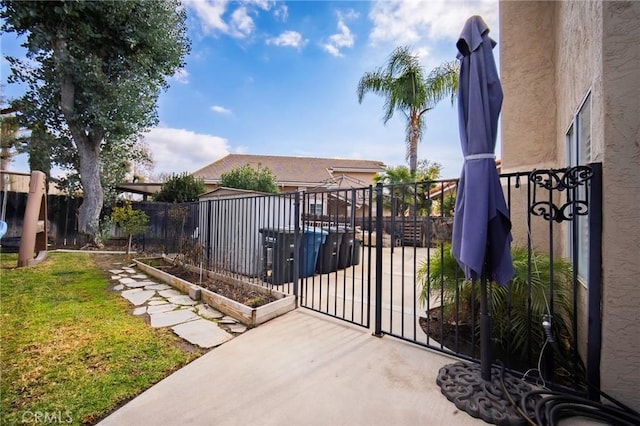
88,145
413,150
93,194
412,140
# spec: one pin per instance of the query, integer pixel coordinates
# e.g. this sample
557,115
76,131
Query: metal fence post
297,238
594,332
379,231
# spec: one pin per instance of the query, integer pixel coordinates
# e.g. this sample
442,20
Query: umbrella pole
472,387
485,328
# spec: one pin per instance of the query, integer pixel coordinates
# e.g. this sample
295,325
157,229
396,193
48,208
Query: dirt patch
457,337
239,293
106,261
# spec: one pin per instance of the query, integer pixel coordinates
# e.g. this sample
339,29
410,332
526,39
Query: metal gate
338,239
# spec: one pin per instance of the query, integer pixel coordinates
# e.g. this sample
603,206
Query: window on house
315,207
579,153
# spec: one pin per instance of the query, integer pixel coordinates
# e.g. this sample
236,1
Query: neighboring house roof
290,171
142,188
224,192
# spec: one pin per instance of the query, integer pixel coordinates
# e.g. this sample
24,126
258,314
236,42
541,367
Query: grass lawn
71,352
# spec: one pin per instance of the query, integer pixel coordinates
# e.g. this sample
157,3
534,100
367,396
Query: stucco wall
578,72
584,47
621,179
527,55
528,125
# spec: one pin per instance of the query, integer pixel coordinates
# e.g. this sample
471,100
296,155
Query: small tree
180,188
246,177
402,197
132,222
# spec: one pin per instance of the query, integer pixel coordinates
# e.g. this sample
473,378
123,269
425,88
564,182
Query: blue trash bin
312,239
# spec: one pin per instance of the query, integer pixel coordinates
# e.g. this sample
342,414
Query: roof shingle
289,170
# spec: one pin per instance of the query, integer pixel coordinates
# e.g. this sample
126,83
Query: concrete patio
302,368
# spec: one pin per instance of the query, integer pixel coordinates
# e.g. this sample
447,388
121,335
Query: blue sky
279,78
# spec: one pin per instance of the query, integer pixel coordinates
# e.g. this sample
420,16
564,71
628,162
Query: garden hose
551,407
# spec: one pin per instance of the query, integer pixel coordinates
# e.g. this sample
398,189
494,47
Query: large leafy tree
93,74
403,84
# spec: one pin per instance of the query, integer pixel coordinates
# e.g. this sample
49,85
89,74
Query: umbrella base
463,385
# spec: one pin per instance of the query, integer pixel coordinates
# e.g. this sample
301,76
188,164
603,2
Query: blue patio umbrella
481,224
481,227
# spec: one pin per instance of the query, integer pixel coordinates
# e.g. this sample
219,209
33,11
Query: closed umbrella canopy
482,228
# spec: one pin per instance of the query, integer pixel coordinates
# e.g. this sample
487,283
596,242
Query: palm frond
372,82
442,82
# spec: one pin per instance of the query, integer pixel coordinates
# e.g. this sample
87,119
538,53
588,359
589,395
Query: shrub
518,308
180,188
246,177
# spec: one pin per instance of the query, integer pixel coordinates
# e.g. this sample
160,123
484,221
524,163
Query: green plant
405,190
104,232
180,188
449,204
246,177
517,309
132,222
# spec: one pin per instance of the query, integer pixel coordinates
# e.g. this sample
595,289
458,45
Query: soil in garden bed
458,338
239,293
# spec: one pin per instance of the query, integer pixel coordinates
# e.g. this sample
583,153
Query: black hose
521,413
556,406
551,407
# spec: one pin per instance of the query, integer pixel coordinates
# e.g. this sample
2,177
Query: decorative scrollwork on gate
561,180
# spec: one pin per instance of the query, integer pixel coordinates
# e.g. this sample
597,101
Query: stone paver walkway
193,321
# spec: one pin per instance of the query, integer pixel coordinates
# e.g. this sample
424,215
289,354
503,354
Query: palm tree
405,190
405,88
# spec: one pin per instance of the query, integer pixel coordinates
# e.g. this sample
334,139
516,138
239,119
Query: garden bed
246,302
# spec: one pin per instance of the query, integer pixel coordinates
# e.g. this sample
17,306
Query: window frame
579,152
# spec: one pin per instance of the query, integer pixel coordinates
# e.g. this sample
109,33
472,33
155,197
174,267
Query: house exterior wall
552,55
621,200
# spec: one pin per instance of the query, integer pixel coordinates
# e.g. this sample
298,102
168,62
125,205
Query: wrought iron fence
172,227
556,252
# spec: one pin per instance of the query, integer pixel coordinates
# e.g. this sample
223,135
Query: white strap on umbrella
479,156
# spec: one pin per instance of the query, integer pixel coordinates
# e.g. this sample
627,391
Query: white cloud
343,38
281,13
211,14
262,4
410,21
181,76
180,150
220,109
241,23
288,39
